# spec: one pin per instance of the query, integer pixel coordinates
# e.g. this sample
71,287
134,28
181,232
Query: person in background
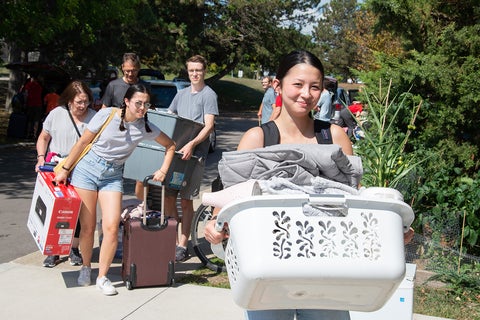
98,176
112,75
265,111
198,103
34,105
324,107
61,130
350,117
115,91
300,82
51,100
117,87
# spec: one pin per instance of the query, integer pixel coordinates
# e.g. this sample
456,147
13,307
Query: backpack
18,103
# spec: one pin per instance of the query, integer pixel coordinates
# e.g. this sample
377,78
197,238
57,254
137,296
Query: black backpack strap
322,132
271,135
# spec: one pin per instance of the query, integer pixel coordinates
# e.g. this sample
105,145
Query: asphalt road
17,181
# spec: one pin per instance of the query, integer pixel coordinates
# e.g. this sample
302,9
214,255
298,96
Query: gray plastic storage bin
181,130
146,159
148,155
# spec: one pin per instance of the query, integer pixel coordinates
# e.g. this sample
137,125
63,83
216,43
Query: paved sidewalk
32,291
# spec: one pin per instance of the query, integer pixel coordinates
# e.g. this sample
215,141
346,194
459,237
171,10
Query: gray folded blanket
297,163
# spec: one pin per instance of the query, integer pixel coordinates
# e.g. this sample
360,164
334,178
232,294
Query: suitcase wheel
128,284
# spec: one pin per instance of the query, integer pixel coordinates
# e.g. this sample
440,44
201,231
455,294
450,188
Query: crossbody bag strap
110,117
73,121
322,132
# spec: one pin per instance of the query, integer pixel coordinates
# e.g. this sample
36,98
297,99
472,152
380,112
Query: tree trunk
224,72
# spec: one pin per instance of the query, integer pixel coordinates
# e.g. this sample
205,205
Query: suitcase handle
145,192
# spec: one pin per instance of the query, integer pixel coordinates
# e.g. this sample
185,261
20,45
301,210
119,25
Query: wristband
66,169
40,155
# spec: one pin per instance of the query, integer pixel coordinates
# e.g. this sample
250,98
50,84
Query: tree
441,63
88,36
370,42
164,33
257,31
335,49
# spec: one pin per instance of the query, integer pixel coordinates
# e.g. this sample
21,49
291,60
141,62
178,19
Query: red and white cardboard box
53,215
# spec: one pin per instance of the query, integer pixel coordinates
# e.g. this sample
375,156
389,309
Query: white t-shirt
61,130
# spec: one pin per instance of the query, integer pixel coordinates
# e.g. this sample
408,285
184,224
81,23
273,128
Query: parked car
353,94
343,97
162,94
150,74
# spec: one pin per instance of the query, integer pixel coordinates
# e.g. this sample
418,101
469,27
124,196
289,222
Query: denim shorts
96,174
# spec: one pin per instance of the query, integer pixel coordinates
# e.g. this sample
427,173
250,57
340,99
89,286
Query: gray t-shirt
268,102
61,130
325,105
115,92
114,145
195,106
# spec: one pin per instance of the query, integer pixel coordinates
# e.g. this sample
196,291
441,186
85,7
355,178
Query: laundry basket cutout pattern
231,261
330,237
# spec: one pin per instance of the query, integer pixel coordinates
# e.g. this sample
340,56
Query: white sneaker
106,286
84,277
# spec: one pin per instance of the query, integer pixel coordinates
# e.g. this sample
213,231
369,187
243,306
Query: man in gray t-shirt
116,89
198,103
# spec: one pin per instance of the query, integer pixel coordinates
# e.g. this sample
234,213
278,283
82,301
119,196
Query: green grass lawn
238,94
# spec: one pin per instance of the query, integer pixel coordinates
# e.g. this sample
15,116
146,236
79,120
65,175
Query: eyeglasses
132,71
86,103
139,104
192,71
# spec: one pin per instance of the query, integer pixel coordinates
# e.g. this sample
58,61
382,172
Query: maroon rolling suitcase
149,247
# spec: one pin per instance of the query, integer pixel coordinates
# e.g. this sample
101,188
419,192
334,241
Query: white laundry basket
349,257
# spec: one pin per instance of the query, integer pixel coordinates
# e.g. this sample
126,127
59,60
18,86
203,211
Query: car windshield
162,96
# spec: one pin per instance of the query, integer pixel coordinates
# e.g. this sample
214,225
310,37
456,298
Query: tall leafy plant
385,158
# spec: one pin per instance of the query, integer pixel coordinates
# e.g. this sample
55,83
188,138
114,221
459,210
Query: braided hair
134,88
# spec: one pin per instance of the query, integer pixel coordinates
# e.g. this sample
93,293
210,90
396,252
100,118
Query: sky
308,29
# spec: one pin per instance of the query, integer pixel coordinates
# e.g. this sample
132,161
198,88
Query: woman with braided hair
98,175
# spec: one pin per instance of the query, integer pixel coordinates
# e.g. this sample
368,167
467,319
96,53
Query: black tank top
271,135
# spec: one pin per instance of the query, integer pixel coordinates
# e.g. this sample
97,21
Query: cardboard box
53,215
399,306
